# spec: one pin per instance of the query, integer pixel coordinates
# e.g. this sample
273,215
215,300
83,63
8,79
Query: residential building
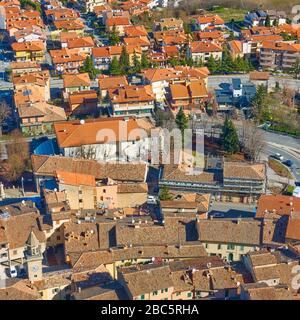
75,83
201,51
111,139
29,51
67,61
131,100
110,82
208,21
83,103
282,55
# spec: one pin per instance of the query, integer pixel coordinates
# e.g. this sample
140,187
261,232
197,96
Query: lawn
279,168
227,14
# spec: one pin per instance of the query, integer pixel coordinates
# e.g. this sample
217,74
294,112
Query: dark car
288,163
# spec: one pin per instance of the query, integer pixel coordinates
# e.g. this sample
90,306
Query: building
105,139
189,96
201,51
208,21
258,18
66,61
281,55
75,83
29,51
83,103
112,82
131,100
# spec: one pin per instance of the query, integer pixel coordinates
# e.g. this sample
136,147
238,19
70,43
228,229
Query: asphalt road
215,81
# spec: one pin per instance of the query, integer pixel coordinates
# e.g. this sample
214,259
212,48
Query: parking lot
232,210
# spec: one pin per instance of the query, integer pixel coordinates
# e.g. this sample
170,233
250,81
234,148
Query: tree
18,157
124,61
5,111
230,140
88,67
114,36
115,68
145,61
252,140
267,21
181,120
165,194
212,64
136,68
275,23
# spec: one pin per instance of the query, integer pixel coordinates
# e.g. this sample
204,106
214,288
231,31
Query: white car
278,156
151,200
13,272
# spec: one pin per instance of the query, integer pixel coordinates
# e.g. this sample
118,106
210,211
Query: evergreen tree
268,21
88,67
144,61
136,68
230,140
275,23
212,64
114,68
124,61
114,36
227,64
181,120
165,194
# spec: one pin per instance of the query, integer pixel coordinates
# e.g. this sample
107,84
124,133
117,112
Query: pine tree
267,22
165,194
144,61
212,64
136,65
114,68
230,138
124,61
88,67
114,36
181,120
275,23
227,64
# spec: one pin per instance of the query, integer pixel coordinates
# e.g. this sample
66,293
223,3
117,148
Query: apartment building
279,55
29,51
201,51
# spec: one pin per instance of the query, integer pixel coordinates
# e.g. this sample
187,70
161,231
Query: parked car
13,272
151,200
278,156
289,163
218,215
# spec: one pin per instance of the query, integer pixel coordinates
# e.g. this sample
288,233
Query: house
143,283
201,51
29,34
281,55
27,66
160,78
244,182
75,82
102,56
91,5
112,139
84,192
261,291
237,94
45,169
206,21
59,26
131,100
36,78
140,41
236,49
260,78
17,222
216,36
168,24
83,103
258,18
119,23
36,116
19,289
29,51
66,61
112,82
189,96
272,267
81,45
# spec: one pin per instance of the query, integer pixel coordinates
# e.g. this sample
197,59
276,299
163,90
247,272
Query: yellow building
29,51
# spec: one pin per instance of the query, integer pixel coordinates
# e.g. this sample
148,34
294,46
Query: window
15,252
219,246
155,293
230,246
189,295
164,290
242,248
55,290
104,190
58,238
142,297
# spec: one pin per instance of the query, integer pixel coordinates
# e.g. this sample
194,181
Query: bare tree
5,112
252,140
85,152
18,157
